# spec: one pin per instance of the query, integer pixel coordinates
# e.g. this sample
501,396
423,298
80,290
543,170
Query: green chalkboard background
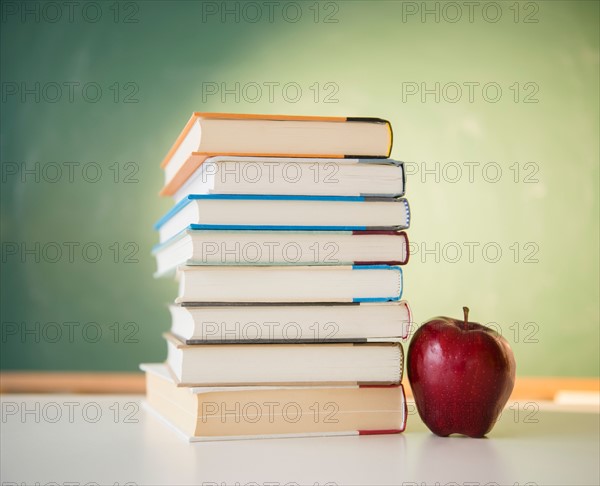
156,62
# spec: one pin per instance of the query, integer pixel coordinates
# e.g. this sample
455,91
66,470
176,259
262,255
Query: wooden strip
536,388
545,388
71,382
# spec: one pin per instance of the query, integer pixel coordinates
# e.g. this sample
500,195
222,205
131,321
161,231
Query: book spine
376,120
401,234
392,431
399,288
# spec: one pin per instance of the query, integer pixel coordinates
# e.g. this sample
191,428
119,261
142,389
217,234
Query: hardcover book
246,412
250,247
227,174
299,213
289,284
377,362
272,323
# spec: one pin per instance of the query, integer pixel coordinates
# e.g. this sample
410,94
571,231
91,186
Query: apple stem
466,314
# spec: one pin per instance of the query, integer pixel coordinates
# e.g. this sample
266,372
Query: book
249,247
324,213
357,283
310,323
207,134
243,412
369,363
226,174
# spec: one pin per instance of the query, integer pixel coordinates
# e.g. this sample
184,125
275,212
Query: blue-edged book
295,213
289,284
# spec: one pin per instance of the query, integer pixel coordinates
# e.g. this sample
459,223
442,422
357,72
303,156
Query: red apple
461,374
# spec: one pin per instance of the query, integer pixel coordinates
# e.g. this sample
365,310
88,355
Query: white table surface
536,445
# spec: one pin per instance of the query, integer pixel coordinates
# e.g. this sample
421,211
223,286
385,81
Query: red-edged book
247,412
265,247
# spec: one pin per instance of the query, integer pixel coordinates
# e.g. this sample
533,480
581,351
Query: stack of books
286,238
